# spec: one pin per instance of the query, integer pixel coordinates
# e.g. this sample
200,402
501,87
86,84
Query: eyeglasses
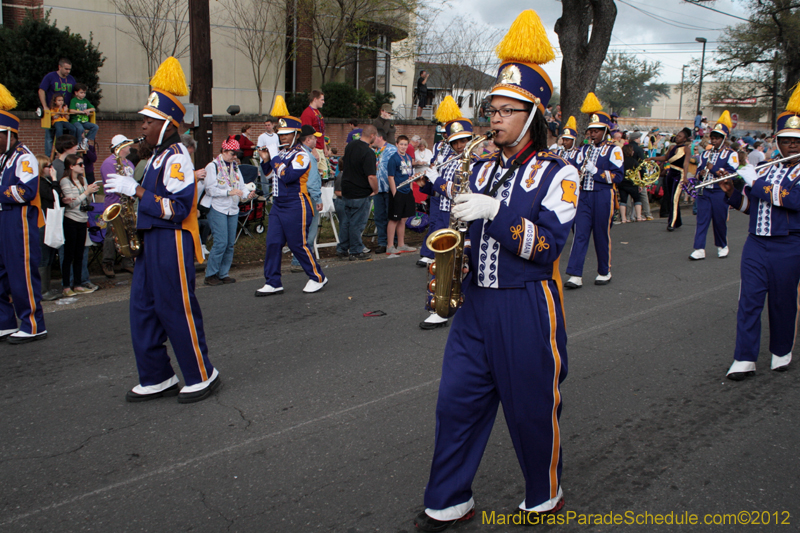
788,140
79,164
48,166
504,112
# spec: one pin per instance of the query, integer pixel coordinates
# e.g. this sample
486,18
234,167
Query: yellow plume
725,119
170,78
591,104
793,105
526,41
571,124
279,108
448,110
7,101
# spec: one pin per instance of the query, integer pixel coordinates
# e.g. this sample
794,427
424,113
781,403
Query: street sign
734,119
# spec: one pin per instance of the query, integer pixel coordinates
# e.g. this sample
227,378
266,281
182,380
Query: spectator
380,203
268,144
58,82
748,138
698,119
422,93
313,117
60,117
108,167
757,155
423,156
80,109
48,191
400,168
314,186
413,142
224,189
639,153
355,131
359,183
246,145
548,112
627,187
73,185
384,123
65,145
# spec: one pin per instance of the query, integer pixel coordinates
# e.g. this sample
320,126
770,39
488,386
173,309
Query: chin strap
163,131
290,144
527,125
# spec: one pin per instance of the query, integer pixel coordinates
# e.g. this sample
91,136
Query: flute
418,175
729,176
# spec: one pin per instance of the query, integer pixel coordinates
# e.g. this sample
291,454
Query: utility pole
774,92
702,63
680,104
202,79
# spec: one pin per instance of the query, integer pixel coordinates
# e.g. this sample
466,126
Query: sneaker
343,255
405,249
424,262
722,252
379,250
213,280
228,280
391,250
360,257
91,286
296,269
269,290
574,282
80,289
108,270
649,217
314,286
697,255
52,294
68,293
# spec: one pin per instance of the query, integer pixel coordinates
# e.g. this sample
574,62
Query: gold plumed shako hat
455,126
724,124
168,84
788,124
571,129
524,48
599,118
7,103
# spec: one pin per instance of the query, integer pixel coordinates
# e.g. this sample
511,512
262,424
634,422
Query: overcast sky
635,32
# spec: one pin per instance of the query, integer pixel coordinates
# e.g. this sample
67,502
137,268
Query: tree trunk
583,55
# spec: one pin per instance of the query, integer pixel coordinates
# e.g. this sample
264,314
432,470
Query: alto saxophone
447,244
121,217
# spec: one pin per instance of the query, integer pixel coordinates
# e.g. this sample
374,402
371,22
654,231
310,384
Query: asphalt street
325,421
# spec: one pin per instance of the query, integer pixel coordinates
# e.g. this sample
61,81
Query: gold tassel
526,41
170,78
591,104
793,105
279,108
571,124
448,110
7,101
725,119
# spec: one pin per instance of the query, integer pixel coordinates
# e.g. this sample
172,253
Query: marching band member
162,303
711,204
457,131
677,159
292,211
20,219
568,150
771,254
601,166
523,202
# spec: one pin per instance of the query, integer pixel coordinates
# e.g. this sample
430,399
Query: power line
698,4
666,21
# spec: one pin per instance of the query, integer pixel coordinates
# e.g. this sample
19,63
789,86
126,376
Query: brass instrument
447,245
586,162
418,175
645,174
121,217
729,176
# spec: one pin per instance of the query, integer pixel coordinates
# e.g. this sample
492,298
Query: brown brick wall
16,10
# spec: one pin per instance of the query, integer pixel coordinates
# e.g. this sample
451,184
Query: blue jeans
312,234
80,127
49,136
381,213
351,225
223,228
65,128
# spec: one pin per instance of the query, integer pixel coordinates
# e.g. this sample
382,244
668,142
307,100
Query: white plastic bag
54,225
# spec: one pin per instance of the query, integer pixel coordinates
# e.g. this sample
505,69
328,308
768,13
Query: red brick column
14,11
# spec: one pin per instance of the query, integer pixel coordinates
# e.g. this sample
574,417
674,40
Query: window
368,64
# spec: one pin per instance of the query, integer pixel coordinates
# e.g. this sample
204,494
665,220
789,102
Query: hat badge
511,74
282,123
153,101
718,127
456,127
595,118
793,122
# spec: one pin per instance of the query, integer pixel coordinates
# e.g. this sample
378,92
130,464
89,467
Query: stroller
253,211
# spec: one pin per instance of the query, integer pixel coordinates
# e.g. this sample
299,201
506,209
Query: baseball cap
309,130
119,139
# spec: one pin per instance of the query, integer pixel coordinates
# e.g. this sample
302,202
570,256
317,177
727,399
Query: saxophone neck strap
521,158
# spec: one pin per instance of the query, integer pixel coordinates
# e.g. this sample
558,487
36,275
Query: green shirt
80,105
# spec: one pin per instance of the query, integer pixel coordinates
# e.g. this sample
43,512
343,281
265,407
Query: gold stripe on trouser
304,197
556,446
187,307
28,281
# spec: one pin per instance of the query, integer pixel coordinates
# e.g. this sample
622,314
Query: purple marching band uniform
439,206
570,155
711,204
291,213
596,208
770,260
20,253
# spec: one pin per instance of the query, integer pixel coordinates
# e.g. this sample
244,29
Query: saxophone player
107,169
711,205
162,304
507,343
601,164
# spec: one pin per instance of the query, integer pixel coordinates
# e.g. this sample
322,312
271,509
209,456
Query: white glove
431,174
591,168
748,174
121,185
472,206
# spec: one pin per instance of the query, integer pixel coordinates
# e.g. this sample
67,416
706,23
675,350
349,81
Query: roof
443,75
